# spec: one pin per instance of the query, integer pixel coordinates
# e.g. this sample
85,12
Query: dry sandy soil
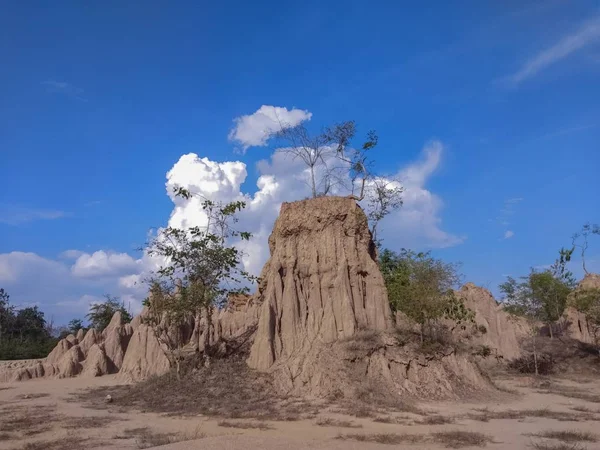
44,414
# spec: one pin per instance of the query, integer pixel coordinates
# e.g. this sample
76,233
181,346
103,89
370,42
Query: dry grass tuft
28,421
485,415
460,439
436,419
554,446
65,443
568,436
328,422
227,389
245,425
384,438
570,392
33,396
146,438
89,422
384,419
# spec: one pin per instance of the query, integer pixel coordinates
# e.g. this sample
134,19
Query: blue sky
495,104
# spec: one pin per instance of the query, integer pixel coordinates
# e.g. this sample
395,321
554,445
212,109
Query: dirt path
43,414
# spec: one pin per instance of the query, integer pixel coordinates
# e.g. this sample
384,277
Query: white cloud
281,178
254,130
102,264
16,215
64,88
418,224
64,288
71,254
587,33
508,234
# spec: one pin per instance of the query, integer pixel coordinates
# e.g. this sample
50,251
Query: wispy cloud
587,33
508,234
14,215
64,88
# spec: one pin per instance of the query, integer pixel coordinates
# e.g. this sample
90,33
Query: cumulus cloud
282,178
71,254
587,33
254,130
102,264
508,234
66,286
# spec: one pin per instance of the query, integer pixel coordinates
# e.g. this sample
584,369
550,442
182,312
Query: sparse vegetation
89,422
28,421
540,297
147,438
421,287
450,439
556,446
436,419
568,435
461,439
245,425
64,443
100,314
485,415
227,389
329,422
384,438
200,264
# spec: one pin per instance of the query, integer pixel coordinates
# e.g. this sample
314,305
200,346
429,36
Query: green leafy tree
6,315
100,314
421,287
23,332
540,296
75,325
200,269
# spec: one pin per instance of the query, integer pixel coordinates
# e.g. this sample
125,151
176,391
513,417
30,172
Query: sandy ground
55,418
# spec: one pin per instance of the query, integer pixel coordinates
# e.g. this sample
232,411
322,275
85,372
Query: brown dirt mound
322,286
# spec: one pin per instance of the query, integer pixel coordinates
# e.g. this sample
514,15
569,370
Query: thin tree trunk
313,183
535,361
550,328
207,330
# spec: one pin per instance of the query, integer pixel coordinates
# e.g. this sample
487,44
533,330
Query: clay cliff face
500,331
321,283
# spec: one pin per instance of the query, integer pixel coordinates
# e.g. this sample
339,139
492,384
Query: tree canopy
100,314
421,287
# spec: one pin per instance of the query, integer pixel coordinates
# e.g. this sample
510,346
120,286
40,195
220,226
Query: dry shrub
384,419
146,438
245,425
570,392
526,364
556,446
568,436
384,438
329,422
436,419
89,422
485,415
28,421
228,388
33,396
362,343
460,439
66,443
